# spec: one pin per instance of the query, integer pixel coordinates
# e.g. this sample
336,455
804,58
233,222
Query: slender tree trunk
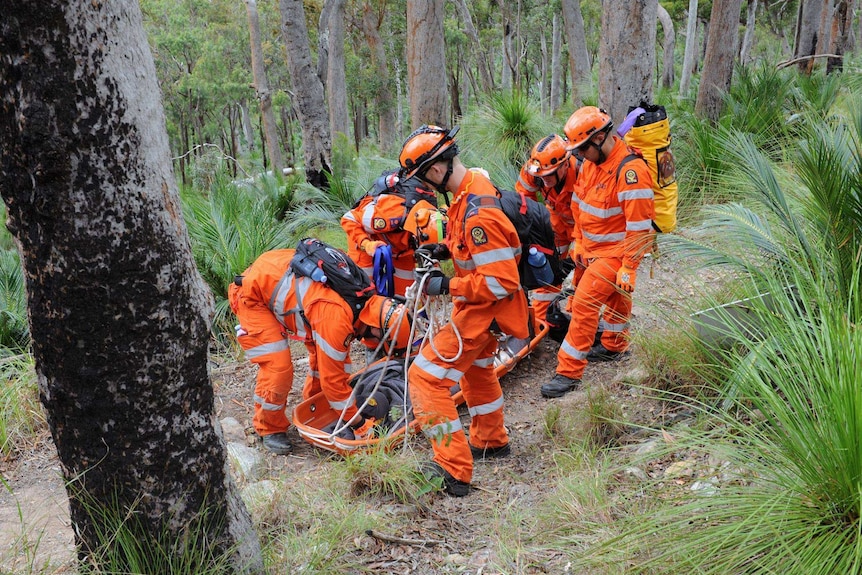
247,128
667,47
336,79
556,69
308,90
805,39
426,62
748,37
482,60
545,89
720,55
824,29
371,21
506,76
119,315
842,21
261,87
579,58
626,54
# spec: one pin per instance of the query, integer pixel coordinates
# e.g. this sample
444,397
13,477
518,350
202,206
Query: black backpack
532,221
324,263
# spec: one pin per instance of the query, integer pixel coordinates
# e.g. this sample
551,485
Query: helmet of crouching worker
426,224
548,155
384,319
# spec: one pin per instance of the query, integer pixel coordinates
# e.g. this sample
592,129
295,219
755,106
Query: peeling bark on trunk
308,89
261,87
720,57
805,39
667,47
626,54
688,59
119,316
579,58
426,63
842,20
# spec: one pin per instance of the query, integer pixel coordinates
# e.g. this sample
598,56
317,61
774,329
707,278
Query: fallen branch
787,63
402,540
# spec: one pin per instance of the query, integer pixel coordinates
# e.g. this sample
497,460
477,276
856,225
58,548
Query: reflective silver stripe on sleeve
468,265
528,187
617,237
314,374
368,217
349,217
486,408
279,295
440,431
330,351
639,225
403,274
599,212
636,194
571,351
339,405
267,348
495,287
484,362
268,406
437,371
493,256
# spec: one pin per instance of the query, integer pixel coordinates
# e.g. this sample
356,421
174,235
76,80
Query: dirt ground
34,507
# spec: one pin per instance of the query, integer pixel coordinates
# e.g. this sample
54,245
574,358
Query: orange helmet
392,318
425,146
585,122
548,155
426,223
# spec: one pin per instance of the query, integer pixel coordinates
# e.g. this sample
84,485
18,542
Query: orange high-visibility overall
558,200
613,219
486,287
273,304
381,218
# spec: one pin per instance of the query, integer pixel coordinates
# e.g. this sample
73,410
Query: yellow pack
650,135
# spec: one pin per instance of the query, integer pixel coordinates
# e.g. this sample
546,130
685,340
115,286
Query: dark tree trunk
261,87
721,54
119,316
426,63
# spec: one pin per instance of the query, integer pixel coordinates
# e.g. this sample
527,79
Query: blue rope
384,277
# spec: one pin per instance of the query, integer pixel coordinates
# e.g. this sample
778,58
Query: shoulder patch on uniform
395,223
479,236
349,339
631,177
380,223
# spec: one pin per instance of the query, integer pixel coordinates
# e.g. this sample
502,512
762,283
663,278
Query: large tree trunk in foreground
626,54
119,315
720,57
310,106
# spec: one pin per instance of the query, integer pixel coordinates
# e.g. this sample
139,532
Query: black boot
277,443
559,386
480,453
432,470
600,353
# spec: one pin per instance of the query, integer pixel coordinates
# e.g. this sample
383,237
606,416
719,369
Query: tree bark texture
336,79
556,96
372,20
426,63
119,315
748,37
690,55
842,22
261,86
720,57
308,92
667,47
805,39
579,58
626,54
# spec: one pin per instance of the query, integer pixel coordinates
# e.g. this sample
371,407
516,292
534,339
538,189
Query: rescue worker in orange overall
550,177
272,304
377,220
485,251
613,213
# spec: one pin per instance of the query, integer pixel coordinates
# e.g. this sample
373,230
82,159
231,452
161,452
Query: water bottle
308,267
541,268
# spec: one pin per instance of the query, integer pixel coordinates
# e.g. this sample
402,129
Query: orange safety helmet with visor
548,155
584,124
426,223
425,146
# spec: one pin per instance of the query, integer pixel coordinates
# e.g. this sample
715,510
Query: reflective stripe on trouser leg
484,398
274,379
403,273
541,299
596,288
311,385
618,311
429,380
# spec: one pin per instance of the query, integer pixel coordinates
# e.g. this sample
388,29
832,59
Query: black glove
566,266
437,283
433,251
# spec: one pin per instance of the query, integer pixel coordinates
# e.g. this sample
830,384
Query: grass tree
788,500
